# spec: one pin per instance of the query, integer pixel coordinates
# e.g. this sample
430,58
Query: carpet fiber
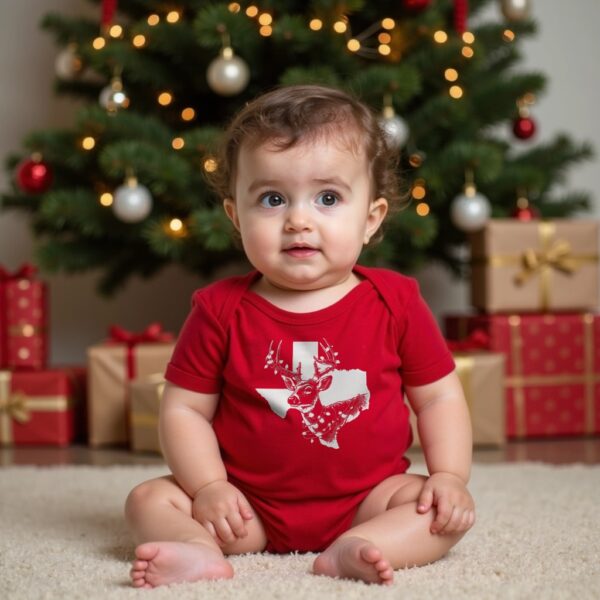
62,535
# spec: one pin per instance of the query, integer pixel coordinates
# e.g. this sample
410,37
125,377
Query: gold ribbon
17,406
553,255
517,381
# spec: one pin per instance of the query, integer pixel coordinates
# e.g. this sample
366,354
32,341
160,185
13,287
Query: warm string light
178,143
508,35
88,143
210,165
423,209
175,228
98,43
165,98
106,199
418,191
440,37
188,114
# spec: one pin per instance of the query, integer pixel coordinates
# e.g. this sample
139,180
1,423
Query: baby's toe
139,565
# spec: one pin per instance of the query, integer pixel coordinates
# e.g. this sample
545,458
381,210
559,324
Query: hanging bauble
68,64
470,210
515,10
524,211
228,74
113,97
395,129
524,127
33,175
132,201
416,5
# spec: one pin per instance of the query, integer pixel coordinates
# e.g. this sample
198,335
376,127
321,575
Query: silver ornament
470,211
515,10
228,74
132,201
113,97
395,129
68,64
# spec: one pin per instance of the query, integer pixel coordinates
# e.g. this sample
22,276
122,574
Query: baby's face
304,213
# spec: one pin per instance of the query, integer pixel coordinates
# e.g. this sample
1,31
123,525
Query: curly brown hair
293,114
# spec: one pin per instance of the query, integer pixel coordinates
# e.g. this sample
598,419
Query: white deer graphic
328,400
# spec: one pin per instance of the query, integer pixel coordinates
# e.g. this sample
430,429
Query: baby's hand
223,510
454,504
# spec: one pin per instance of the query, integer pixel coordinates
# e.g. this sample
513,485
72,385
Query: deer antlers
277,364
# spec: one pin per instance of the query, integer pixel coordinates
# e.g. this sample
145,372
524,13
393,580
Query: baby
283,420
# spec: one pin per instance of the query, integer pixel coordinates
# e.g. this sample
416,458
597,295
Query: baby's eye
327,199
271,200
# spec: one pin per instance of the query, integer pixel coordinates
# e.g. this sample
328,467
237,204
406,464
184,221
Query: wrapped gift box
552,382
111,367
23,320
481,375
146,395
39,407
535,266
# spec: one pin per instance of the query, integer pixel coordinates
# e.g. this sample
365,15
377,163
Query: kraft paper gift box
535,266
146,394
481,375
39,407
552,382
23,319
111,367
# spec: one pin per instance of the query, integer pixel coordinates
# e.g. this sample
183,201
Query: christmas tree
124,189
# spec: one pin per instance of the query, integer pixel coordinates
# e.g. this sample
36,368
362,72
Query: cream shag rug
62,536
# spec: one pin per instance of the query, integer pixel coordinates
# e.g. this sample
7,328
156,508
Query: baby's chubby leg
388,532
175,547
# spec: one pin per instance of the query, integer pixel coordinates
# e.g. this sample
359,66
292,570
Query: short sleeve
423,350
199,354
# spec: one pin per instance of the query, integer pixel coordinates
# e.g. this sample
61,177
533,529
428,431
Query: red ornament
525,214
416,5
524,211
34,176
524,127
461,11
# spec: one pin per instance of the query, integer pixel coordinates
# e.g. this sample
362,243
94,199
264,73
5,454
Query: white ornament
132,202
228,74
395,129
470,211
68,64
113,97
515,10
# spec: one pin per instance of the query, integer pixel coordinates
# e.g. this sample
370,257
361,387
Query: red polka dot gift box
552,380
23,319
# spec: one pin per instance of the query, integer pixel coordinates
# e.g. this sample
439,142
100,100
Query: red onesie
311,415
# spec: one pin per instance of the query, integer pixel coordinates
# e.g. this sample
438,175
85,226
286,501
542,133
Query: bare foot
161,563
354,558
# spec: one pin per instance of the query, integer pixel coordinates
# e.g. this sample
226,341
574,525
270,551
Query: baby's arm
445,433
191,450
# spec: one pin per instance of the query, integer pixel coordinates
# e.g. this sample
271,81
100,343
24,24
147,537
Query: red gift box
40,407
23,320
552,382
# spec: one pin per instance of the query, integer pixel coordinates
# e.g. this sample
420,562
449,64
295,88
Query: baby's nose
298,217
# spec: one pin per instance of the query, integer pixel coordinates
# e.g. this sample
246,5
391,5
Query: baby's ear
231,212
377,212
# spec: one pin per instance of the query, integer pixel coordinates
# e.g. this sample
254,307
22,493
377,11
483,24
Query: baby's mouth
300,250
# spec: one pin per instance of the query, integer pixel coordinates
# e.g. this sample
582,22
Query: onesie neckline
312,317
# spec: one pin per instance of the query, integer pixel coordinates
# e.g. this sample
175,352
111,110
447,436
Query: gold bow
15,406
557,256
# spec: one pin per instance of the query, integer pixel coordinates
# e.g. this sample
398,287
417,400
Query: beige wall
567,50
